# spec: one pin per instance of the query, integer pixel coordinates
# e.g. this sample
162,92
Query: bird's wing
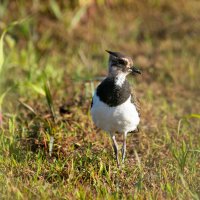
135,101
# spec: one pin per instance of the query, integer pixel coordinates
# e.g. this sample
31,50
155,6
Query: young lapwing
112,109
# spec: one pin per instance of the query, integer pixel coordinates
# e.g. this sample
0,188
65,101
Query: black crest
116,54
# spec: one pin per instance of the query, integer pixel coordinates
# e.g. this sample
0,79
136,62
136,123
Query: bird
112,108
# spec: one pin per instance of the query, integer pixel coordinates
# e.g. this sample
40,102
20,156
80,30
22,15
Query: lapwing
113,109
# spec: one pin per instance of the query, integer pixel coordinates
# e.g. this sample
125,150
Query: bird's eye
122,62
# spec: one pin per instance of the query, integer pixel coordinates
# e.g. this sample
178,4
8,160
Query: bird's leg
124,148
115,147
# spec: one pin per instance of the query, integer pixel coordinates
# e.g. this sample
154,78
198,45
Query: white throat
120,78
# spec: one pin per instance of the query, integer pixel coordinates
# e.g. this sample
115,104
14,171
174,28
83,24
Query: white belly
122,118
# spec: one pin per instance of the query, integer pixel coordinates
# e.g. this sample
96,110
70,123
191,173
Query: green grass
53,57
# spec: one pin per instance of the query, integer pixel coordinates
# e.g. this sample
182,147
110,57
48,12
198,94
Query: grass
53,58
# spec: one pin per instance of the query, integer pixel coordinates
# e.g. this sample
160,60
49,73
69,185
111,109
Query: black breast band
112,94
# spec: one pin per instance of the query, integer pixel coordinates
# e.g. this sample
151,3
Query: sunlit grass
50,70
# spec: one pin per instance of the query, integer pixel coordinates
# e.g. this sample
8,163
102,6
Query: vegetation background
52,55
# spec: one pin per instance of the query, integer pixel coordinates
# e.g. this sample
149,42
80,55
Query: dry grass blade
51,145
28,107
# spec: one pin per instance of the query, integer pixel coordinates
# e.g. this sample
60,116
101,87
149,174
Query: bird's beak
135,70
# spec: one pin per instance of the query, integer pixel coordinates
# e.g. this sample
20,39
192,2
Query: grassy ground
60,49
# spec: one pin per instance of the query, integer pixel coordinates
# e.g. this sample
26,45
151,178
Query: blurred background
66,40
52,56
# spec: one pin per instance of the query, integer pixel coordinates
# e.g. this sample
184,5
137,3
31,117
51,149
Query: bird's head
121,64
